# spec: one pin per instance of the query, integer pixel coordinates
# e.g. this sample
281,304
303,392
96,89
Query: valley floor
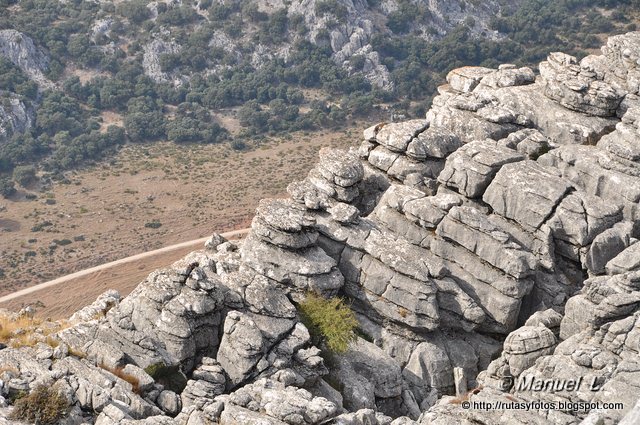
65,295
145,198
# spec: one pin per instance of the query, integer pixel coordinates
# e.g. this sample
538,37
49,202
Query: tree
252,116
7,187
14,80
400,20
193,123
136,11
324,7
59,112
24,174
220,12
142,126
177,16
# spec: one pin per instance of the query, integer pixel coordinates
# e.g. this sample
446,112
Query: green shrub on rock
43,405
171,377
330,321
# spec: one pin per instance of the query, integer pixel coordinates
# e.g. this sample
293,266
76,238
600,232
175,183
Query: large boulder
577,89
470,169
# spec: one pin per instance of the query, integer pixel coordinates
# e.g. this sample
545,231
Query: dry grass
99,315
9,369
120,373
25,331
77,353
403,312
18,331
465,396
52,342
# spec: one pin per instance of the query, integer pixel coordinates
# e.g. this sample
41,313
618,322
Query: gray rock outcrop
19,49
484,250
15,117
151,58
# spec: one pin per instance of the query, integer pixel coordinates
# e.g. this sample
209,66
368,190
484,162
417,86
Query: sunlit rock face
485,248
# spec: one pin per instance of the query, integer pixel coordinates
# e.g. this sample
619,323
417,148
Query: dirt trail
65,295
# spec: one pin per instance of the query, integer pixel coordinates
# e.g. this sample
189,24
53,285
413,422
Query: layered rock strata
489,246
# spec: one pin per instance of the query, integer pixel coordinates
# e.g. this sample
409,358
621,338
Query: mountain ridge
492,241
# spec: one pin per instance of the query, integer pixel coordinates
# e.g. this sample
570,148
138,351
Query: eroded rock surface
488,246
22,52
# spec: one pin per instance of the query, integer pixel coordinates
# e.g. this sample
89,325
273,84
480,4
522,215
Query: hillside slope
75,72
488,252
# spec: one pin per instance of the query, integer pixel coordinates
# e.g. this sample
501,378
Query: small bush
24,174
155,224
7,187
62,242
15,396
44,406
238,145
40,226
330,321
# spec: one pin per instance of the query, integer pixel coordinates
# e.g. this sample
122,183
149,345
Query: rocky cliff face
487,246
20,50
17,114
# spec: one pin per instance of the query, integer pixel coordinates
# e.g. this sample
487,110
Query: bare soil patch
110,118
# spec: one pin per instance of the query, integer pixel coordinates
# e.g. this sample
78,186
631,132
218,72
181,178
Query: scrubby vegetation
7,187
532,29
13,80
101,73
43,406
330,321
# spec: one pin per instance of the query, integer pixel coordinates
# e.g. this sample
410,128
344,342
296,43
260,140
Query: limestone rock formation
151,58
21,51
486,249
15,117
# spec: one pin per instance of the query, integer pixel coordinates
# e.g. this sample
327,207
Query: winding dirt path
66,294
